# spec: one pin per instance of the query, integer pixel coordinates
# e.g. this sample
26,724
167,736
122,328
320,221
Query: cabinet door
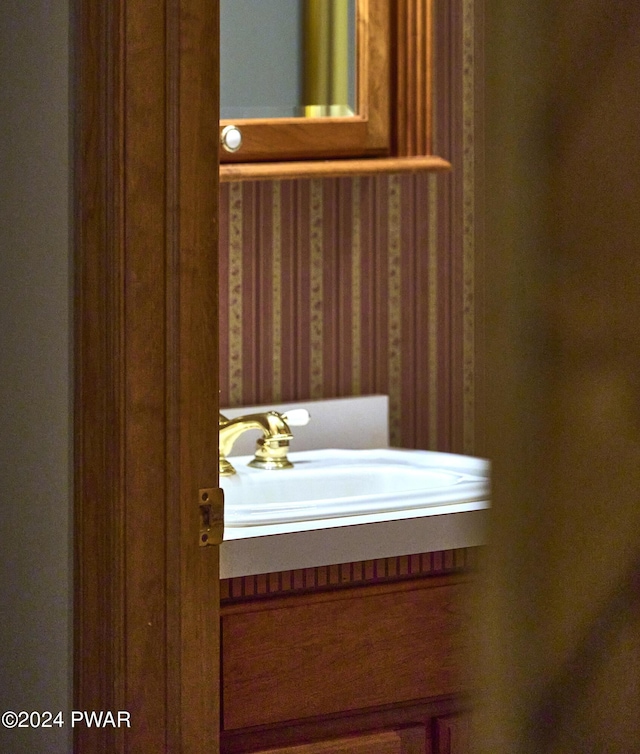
409,741
452,734
352,650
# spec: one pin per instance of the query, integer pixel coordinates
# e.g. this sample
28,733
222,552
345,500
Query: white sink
344,506
337,484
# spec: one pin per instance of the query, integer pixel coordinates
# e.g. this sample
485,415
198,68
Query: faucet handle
297,417
271,450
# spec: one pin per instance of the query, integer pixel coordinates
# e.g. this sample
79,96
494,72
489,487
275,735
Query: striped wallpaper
352,286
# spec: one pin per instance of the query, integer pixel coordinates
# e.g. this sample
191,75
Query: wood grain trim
193,284
374,62
143,398
98,195
272,171
300,138
145,237
349,574
412,82
325,596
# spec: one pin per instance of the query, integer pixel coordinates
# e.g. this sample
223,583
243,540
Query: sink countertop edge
292,550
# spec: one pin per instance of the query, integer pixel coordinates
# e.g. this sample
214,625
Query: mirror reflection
287,58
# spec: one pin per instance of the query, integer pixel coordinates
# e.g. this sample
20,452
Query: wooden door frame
145,209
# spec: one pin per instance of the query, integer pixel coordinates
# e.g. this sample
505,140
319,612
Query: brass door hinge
211,502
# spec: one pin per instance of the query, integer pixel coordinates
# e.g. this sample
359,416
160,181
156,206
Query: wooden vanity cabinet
377,668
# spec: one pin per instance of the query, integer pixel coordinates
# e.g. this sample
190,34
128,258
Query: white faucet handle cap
297,417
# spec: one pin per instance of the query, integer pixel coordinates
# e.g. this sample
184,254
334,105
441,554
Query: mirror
304,79
287,58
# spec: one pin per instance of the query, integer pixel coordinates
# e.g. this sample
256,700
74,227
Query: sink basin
332,483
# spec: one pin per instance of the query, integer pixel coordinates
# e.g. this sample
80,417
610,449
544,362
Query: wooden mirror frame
366,133
393,132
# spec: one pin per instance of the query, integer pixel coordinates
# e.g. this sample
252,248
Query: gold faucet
271,452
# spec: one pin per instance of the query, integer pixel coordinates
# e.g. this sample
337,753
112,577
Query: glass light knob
231,138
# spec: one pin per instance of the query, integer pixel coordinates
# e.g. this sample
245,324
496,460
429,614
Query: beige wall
35,429
560,605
